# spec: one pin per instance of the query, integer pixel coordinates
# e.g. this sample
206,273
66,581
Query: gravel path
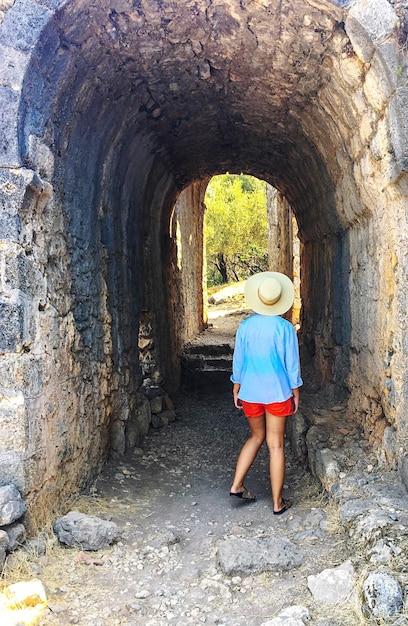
171,501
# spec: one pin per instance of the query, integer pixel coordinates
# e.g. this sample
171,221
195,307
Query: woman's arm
237,361
291,358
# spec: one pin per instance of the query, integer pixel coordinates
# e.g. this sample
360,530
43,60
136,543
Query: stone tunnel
114,116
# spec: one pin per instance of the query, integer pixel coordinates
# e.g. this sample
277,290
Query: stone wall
107,114
283,244
174,254
361,267
190,290
280,234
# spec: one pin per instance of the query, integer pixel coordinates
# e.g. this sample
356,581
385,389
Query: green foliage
236,228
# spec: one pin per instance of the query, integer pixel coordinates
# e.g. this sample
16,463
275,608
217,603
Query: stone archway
108,113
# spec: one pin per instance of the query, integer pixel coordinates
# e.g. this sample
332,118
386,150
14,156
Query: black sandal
244,495
286,505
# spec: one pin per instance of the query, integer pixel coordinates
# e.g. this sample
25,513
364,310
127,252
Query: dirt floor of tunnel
171,502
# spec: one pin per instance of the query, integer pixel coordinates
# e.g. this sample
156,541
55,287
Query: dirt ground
171,502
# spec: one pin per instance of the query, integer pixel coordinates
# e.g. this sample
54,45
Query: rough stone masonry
113,116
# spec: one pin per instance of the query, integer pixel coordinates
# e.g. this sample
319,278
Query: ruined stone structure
108,111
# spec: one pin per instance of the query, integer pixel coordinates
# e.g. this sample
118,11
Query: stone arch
108,114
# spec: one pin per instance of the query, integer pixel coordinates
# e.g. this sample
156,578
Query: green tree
236,228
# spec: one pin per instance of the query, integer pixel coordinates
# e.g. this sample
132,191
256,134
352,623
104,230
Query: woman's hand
296,395
235,391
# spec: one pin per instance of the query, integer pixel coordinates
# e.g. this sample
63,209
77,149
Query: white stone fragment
367,13
333,585
292,616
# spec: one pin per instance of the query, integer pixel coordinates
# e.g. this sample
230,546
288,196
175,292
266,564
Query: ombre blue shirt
266,359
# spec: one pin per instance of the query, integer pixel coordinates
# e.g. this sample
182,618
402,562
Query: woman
266,379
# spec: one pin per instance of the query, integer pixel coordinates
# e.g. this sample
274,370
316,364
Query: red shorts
255,409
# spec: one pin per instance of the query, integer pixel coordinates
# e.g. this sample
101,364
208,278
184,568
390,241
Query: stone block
367,12
12,469
163,418
11,327
333,586
403,470
381,142
295,615
377,87
53,4
16,534
327,467
29,596
23,25
21,273
13,65
4,542
10,228
360,40
86,532
156,421
296,429
13,188
138,424
9,148
12,505
152,391
37,546
145,343
253,556
13,422
156,404
351,70
391,60
168,415
117,437
382,594
40,157
24,374
390,445
398,117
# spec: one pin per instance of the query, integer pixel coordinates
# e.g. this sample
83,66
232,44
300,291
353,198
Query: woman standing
266,379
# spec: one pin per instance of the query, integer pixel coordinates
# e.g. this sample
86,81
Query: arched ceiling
208,85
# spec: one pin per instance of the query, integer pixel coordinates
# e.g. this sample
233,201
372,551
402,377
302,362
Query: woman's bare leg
249,451
275,439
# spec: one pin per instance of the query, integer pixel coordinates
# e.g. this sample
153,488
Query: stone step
216,380
202,362
208,349
207,367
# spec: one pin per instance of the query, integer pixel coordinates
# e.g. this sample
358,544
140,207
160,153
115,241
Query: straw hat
269,293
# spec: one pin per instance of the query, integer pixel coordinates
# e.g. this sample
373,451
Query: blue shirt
266,359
